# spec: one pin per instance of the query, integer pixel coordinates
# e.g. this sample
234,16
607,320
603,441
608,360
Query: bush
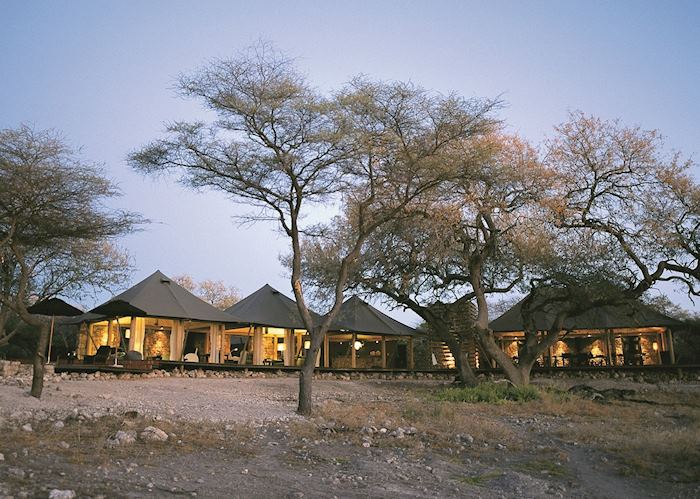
491,393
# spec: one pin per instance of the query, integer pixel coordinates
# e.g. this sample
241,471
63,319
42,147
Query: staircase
446,360
442,354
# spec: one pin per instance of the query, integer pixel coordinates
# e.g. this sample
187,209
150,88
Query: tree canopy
57,231
282,147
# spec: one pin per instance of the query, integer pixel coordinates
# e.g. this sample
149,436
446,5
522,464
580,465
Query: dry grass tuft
88,439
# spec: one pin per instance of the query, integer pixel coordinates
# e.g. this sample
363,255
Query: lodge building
159,320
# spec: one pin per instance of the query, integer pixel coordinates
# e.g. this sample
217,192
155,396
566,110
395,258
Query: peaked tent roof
629,315
268,307
54,306
359,316
158,296
86,317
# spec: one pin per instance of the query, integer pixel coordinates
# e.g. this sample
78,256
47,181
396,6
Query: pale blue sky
102,72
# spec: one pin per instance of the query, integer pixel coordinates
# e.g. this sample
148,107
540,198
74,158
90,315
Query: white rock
61,494
16,472
59,424
27,427
122,438
153,434
2,456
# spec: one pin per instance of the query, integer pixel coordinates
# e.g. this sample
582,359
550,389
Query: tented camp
630,334
271,330
364,337
159,319
275,334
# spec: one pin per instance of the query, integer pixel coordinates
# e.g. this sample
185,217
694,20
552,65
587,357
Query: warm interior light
127,333
358,344
655,346
307,345
281,347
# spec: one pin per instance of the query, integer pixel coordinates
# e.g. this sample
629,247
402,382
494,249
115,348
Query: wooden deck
124,366
139,367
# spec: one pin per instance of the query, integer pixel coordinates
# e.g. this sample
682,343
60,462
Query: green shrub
491,393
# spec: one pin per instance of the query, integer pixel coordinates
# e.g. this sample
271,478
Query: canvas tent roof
634,314
86,317
268,307
54,306
359,316
158,296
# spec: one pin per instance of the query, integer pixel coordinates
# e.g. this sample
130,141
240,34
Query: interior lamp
281,347
358,344
127,333
307,345
655,346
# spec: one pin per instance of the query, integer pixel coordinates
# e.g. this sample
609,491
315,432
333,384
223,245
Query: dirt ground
369,438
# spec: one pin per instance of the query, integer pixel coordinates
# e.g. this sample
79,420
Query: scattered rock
16,472
61,494
59,424
122,438
153,434
9,368
27,427
464,438
64,445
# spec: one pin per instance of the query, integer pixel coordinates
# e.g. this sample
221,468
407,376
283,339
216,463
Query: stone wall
156,342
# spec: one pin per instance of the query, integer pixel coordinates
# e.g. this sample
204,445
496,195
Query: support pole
48,357
326,351
383,352
671,351
353,357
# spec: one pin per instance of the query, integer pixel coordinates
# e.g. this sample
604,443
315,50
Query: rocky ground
240,437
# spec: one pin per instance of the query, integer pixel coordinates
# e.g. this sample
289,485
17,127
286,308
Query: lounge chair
101,356
192,357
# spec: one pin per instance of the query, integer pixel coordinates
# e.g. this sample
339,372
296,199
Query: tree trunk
520,375
305,406
39,361
306,376
515,374
464,370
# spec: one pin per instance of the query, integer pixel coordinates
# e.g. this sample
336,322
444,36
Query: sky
102,73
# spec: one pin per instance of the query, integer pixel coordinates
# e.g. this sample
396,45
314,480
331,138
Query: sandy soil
205,399
241,438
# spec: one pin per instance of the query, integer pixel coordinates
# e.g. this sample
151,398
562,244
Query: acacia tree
56,233
427,262
611,231
283,148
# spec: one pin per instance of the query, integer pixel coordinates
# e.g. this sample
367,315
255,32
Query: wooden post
326,351
608,351
671,351
411,363
383,352
257,346
288,352
353,357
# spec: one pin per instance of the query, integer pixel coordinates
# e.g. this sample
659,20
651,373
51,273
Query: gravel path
216,400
